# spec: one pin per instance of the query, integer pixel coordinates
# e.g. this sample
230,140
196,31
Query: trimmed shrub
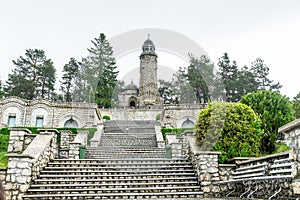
157,117
177,131
106,117
231,128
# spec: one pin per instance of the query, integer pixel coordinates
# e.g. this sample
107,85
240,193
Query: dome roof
148,47
131,86
148,42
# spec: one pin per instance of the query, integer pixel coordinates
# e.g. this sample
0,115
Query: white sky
246,29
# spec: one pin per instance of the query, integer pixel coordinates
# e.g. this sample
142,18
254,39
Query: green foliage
106,117
260,72
3,160
4,139
1,90
238,83
97,75
157,117
228,72
274,111
296,105
32,77
70,72
200,74
177,131
231,128
281,147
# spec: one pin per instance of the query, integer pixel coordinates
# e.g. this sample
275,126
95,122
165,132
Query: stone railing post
74,150
18,176
95,141
17,139
206,166
159,138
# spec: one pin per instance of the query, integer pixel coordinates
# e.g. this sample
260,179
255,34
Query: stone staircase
126,165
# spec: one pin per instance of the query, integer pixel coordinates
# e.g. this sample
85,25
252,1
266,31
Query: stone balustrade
95,141
159,138
25,166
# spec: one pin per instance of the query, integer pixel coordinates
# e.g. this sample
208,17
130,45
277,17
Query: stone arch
186,122
132,102
12,116
66,119
71,123
39,117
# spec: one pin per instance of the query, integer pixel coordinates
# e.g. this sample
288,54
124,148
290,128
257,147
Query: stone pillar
74,150
18,175
206,166
208,172
16,140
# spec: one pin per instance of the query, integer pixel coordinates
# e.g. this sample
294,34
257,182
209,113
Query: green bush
157,117
106,117
274,110
3,160
177,131
231,128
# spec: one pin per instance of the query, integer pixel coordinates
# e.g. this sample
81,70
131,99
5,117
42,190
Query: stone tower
148,91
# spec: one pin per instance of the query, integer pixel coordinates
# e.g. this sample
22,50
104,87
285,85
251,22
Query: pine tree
201,77
228,75
106,85
1,90
261,74
32,77
94,69
70,72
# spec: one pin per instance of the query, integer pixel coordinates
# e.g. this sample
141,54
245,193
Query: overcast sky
269,29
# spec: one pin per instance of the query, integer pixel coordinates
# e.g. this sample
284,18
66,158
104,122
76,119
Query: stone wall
52,114
131,114
205,165
290,135
23,167
174,116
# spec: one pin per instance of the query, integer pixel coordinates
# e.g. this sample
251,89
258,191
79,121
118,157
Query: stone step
119,190
104,176
117,185
112,180
125,160
154,195
80,171
103,163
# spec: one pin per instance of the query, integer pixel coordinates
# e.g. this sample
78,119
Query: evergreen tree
1,90
33,76
201,77
94,71
166,92
246,82
182,89
296,105
228,74
106,85
261,72
70,71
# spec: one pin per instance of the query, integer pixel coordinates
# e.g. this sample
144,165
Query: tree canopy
296,105
231,128
32,77
274,110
